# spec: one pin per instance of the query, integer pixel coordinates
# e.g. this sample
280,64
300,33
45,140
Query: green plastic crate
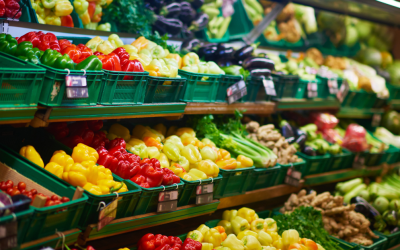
200,87
46,220
314,164
392,239
359,99
379,244
240,25
148,200
344,245
286,86
233,182
23,220
394,91
262,178
21,82
25,6
322,89
380,103
54,89
299,166
255,90
163,89
45,145
340,161
325,84
75,39
391,155
117,91
188,195
224,83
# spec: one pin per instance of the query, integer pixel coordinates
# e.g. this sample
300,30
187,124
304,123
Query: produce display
218,24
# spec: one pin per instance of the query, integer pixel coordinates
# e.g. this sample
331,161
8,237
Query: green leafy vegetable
162,41
308,222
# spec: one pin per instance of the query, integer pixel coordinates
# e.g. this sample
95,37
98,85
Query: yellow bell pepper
278,244
229,215
30,153
187,139
105,47
195,235
55,169
161,129
247,213
257,225
85,18
264,238
251,243
63,8
115,40
120,131
93,169
208,153
208,142
207,246
177,58
233,243
213,236
105,185
222,248
61,158
268,248
197,174
175,140
150,45
82,153
124,188
227,225
190,58
209,168
135,141
227,164
40,19
48,4
244,233
239,224
183,162
181,131
203,229
153,152
94,189
275,236
172,130
76,175
94,42
289,237
171,151
246,162
130,49
140,43
270,225
191,153
163,159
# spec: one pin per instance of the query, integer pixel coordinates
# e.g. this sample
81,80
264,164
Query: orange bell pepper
309,244
153,70
152,142
198,143
140,43
297,246
223,154
221,230
177,58
227,164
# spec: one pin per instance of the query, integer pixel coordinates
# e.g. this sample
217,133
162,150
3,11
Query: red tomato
15,188
30,197
64,199
29,193
9,190
34,191
15,192
57,202
3,187
49,203
21,186
9,184
55,198
23,191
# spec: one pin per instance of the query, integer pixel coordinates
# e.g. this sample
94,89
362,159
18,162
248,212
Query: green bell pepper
8,44
104,27
23,48
49,57
64,62
90,63
30,58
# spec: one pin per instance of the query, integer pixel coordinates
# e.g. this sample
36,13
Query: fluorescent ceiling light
390,2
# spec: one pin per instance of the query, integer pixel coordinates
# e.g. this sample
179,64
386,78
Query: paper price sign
269,87
8,235
205,189
236,91
333,86
76,86
204,198
359,161
168,195
293,177
107,214
312,90
167,201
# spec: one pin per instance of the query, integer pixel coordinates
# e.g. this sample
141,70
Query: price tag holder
343,91
204,198
376,120
205,189
312,90
76,86
236,91
293,177
8,235
167,201
107,214
269,87
333,86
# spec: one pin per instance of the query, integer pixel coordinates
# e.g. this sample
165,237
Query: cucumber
388,194
349,185
354,192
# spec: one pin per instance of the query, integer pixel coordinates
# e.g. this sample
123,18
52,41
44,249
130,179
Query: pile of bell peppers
79,169
90,13
162,242
10,9
191,63
54,12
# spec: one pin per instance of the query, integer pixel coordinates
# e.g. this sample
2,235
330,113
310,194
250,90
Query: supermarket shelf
346,112
258,195
71,237
17,115
395,247
137,222
259,108
293,104
333,176
57,114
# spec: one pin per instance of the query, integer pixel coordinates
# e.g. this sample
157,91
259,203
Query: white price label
76,86
236,91
168,195
312,90
269,87
333,86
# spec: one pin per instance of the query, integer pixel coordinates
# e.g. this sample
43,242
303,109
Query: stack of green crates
262,178
163,89
234,182
200,87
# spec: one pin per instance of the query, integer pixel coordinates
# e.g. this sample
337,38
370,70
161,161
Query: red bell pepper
98,53
45,41
175,242
2,8
67,21
72,141
99,140
12,9
77,128
107,160
86,52
148,176
190,244
122,55
87,136
64,43
116,143
73,52
127,170
94,125
144,161
60,130
31,37
91,9
160,240
116,62
155,163
132,66
108,62
147,242
169,177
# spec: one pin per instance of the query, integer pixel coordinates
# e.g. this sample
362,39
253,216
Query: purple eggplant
171,10
199,22
260,72
167,25
196,4
243,53
187,13
190,44
251,63
223,51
